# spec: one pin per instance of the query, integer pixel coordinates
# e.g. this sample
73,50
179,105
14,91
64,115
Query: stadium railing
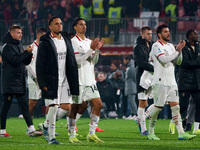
120,31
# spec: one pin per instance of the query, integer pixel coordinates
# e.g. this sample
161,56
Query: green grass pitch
119,134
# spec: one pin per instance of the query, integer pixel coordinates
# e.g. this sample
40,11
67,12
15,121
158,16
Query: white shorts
86,94
163,94
64,96
34,91
142,96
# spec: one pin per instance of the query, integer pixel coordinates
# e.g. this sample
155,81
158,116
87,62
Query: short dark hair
76,20
51,19
145,28
189,32
13,27
159,29
41,30
127,57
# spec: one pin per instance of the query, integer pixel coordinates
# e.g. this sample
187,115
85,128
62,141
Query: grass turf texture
119,134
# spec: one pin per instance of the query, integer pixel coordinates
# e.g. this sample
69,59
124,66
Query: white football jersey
86,59
163,56
62,52
32,66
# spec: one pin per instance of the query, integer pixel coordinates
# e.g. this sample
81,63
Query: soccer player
57,74
87,54
165,89
188,83
141,56
15,58
34,91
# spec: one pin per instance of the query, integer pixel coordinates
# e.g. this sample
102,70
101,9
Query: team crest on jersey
159,50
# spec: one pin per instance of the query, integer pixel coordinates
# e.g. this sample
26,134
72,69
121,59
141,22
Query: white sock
172,121
78,116
61,113
31,128
141,119
46,123
72,125
93,123
52,121
152,119
3,131
148,111
196,126
177,119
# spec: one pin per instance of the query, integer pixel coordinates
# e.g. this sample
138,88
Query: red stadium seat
181,26
198,26
190,25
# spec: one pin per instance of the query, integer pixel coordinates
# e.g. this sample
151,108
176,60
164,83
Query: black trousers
23,103
184,102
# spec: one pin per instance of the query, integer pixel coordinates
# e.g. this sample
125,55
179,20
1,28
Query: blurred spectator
36,16
167,2
28,4
57,10
107,94
190,7
117,79
7,14
71,12
23,14
130,85
132,8
16,11
77,2
172,12
99,11
85,11
45,9
115,13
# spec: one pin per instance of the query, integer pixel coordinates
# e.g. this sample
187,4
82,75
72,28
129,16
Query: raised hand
30,48
100,43
180,46
94,44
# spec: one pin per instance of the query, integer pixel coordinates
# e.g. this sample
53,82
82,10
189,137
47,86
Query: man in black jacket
15,58
189,76
57,75
141,55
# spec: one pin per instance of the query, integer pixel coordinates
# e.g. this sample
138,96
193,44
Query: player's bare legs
32,105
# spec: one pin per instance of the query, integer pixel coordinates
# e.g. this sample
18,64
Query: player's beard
165,39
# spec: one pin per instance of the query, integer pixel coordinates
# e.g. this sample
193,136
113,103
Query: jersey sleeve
80,55
159,53
157,50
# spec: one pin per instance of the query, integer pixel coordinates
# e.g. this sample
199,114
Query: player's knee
175,108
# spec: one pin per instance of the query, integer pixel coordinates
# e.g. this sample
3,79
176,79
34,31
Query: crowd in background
39,11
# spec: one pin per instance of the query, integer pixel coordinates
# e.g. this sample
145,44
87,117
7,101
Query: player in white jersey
165,89
87,54
34,91
57,74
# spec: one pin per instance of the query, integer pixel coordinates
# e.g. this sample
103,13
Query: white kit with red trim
32,66
62,52
163,56
85,58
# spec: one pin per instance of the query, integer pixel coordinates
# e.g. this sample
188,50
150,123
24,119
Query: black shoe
188,127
